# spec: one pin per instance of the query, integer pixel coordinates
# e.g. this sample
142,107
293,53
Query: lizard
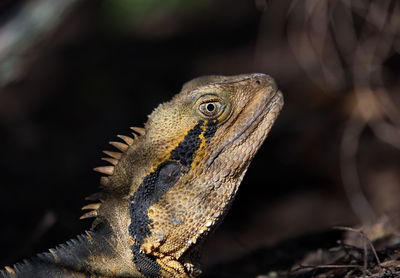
169,185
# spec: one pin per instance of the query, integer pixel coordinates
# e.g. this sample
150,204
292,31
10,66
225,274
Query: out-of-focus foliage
127,14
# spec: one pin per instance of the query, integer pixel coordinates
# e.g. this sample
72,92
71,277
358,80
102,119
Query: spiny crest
93,210
113,158
32,267
10,270
123,147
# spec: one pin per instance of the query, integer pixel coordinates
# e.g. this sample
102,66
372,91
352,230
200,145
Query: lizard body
170,185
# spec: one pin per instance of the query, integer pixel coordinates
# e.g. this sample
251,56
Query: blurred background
75,73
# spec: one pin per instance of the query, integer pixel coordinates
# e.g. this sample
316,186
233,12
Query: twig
362,234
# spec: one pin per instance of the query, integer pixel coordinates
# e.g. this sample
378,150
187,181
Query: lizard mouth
264,117
254,121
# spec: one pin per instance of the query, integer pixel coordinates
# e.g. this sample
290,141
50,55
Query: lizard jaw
273,103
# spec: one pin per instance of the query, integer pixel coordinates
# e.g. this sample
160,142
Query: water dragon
169,184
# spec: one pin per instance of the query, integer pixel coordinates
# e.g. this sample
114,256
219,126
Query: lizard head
200,144
214,125
182,173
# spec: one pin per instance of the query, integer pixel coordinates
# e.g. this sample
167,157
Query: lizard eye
211,109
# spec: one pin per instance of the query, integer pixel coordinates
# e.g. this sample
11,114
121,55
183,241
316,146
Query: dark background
103,65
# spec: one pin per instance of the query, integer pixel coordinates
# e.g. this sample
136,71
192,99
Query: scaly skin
170,185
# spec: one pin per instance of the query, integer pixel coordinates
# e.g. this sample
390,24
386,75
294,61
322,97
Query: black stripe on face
185,151
211,129
154,186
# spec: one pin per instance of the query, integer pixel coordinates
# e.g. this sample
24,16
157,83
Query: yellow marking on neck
168,152
198,155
